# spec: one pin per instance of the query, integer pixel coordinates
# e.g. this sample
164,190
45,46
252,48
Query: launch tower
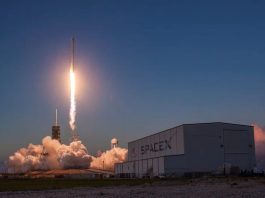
56,129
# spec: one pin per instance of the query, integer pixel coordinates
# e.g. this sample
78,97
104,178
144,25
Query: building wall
191,148
141,168
118,168
175,165
204,152
209,146
239,146
169,142
152,167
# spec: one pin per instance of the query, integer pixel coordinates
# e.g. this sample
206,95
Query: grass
63,183
45,184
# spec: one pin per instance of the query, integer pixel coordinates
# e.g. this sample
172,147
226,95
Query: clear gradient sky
142,66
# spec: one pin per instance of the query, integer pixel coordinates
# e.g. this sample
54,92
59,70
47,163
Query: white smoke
107,159
53,155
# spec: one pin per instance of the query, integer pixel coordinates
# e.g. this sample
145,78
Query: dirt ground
243,187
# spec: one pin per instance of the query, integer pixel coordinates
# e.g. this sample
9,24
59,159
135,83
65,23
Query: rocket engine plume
72,113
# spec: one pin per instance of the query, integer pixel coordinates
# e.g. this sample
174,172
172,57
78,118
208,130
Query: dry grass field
181,187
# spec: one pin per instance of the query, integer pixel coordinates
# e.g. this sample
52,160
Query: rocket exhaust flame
72,113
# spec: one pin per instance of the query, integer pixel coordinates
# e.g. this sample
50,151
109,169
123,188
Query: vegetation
63,183
43,184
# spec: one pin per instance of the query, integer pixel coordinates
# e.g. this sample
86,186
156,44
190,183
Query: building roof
205,123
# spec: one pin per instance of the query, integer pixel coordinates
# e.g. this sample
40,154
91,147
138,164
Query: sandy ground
193,188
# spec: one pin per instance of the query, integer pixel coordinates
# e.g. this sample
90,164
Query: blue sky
142,67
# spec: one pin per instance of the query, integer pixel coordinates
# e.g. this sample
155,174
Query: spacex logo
157,146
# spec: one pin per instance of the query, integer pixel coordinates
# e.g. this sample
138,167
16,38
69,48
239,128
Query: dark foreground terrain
182,187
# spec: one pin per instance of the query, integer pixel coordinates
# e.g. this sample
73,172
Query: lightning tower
56,129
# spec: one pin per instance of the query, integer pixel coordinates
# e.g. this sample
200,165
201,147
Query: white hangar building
191,148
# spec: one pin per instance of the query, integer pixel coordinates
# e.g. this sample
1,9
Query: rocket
73,54
72,113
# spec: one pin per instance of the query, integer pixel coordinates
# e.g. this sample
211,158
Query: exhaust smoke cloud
106,160
53,155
